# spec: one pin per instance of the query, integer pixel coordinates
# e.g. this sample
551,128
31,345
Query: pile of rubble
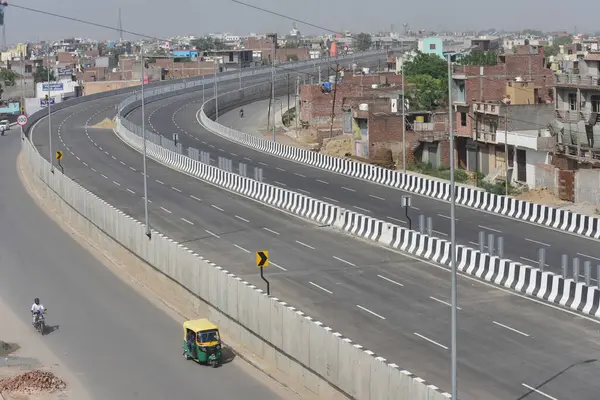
32,382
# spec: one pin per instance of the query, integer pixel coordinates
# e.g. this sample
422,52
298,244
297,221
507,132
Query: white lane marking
149,201
84,163
443,302
270,230
445,216
390,280
122,163
538,391
130,191
165,210
588,256
376,197
161,182
185,220
212,234
211,146
344,261
104,176
320,287
300,175
510,329
195,198
416,208
362,209
535,241
440,233
278,266
330,199
243,249
233,154
246,158
262,163
217,207
489,229
114,158
304,244
222,150
116,183
323,182
78,159
133,169
369,311
430,340
279,183
304,191
533,262
280,169
175,189
348,189
396,219
243,219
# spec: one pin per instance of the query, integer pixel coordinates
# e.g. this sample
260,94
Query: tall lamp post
452,231
216,84
49,111
148,230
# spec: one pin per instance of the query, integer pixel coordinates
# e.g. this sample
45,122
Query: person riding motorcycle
36,309
241,113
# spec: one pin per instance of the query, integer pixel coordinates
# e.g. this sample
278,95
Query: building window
596,104
432,46
463,119
572,101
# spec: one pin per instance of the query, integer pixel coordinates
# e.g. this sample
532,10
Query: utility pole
506,146
453,294
297,103
273,95
403,121
288,87
337,71
49,112
240,72
319,74
216,92
148,231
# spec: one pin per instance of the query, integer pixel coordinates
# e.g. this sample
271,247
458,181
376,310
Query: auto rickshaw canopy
198,325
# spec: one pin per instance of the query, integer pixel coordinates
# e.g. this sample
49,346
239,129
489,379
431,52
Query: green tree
208,43
533,32
41,75
427,92
8,77
362,42
480,58
556,43
427,64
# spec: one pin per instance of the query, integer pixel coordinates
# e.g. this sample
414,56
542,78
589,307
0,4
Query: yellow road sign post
59,155
262,260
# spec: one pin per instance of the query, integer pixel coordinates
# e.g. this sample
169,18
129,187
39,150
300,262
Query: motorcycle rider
241,113
36,309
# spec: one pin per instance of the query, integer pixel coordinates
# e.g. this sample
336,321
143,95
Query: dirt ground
106,123
546,197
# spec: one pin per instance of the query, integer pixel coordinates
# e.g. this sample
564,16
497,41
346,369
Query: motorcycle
241,113
40,322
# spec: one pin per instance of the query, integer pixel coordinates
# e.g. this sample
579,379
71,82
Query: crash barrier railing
471,197
306,350
561,290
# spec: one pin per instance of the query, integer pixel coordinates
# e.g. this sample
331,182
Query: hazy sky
167,18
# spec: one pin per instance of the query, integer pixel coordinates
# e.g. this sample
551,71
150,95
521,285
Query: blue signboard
44,102
64,71
54,87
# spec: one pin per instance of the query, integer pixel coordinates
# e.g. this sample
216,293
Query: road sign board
22,120
262,258
406,201
59,155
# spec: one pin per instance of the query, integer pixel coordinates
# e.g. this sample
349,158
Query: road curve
391,304
115,340
522,240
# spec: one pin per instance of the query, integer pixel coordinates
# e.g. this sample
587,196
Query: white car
4,125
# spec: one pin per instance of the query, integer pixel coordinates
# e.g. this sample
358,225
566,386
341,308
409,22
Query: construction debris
106,123
32,382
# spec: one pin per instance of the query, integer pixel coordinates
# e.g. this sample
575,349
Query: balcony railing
574,116
577,80
581,154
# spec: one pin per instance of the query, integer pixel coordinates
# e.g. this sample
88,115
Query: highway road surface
522,240
118,343
389,303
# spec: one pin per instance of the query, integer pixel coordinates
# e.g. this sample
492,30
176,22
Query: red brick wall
301,53
316,106
459,130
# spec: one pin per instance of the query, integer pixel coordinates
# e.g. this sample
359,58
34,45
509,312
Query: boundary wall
471,197
503,272
306,350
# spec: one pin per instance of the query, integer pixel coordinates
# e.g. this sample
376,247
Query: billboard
54,87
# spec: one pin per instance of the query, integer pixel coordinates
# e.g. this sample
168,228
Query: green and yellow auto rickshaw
202,342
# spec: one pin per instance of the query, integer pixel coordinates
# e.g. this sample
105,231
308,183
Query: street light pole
216,92
49,113
148,231
452,232
403,121
506,146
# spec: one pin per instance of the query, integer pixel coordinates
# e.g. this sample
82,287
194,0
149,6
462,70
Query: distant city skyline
180,17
